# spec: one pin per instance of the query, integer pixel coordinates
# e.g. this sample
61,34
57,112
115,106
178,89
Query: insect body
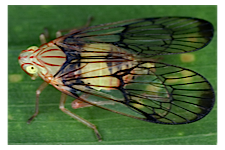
116,62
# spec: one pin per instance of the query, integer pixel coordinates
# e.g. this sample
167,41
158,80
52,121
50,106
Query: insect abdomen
98,64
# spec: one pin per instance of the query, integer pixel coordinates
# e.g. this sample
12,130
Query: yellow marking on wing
187,73
139,106
170,81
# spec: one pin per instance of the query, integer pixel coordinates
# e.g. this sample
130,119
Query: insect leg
61,106
38,92
43,37
80,104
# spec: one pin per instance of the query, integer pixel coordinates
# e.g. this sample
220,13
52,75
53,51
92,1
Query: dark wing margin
172,94
148,36
158,92
163,93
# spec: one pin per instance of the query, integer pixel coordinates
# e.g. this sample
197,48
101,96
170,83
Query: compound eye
31,69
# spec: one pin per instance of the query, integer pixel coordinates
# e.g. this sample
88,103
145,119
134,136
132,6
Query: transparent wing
146,90
145,37
102,62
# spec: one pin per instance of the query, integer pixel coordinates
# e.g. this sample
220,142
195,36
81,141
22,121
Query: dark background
25,23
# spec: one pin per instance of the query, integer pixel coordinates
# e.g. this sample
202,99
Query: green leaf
51,126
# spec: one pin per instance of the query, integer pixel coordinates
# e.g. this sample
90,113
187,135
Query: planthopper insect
115,66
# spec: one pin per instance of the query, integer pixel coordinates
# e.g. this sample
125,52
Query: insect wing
146,37
103,62
174,95
161,93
